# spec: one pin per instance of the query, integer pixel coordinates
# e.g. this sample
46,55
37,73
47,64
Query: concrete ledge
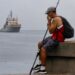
66,49
62,60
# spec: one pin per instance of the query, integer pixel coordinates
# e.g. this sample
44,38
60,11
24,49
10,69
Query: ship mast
11,13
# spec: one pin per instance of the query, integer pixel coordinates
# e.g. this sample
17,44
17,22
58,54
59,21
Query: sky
31,13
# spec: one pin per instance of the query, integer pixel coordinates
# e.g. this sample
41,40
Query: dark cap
50,9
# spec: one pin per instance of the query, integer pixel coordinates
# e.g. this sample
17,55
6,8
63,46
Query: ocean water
18,51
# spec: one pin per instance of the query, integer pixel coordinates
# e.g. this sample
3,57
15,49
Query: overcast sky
31,13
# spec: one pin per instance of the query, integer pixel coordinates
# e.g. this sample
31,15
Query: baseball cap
50,9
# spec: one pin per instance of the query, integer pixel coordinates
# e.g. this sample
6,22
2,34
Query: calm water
18,51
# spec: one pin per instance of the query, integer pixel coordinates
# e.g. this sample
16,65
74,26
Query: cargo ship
11,24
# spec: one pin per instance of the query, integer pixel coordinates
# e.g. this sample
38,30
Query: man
56,28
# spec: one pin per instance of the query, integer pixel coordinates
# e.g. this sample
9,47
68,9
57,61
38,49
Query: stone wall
62,60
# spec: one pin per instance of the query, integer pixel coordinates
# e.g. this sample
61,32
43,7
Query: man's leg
43,56
42,51
48,45
42,59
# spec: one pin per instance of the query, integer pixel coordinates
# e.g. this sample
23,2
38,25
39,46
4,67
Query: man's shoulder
57,18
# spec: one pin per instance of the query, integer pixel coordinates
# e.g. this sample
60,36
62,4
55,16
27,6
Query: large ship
11,24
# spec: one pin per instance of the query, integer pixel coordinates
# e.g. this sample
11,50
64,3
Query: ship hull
10,29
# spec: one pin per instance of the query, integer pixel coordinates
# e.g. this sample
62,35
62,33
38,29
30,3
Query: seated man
56,28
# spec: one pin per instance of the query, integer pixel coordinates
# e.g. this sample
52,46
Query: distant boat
11,24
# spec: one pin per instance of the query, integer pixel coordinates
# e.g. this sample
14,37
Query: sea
18,51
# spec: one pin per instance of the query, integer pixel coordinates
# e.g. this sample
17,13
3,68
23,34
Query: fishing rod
57,4
43,40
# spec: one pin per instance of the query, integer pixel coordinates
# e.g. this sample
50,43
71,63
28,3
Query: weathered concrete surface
65,49
62,60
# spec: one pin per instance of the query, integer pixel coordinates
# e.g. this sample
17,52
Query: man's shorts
50,44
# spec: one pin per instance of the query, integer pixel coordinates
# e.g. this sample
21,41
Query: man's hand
49,20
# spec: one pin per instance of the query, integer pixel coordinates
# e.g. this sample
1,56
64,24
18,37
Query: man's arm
52,25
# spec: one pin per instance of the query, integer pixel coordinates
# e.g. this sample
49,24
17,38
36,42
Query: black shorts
50,44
